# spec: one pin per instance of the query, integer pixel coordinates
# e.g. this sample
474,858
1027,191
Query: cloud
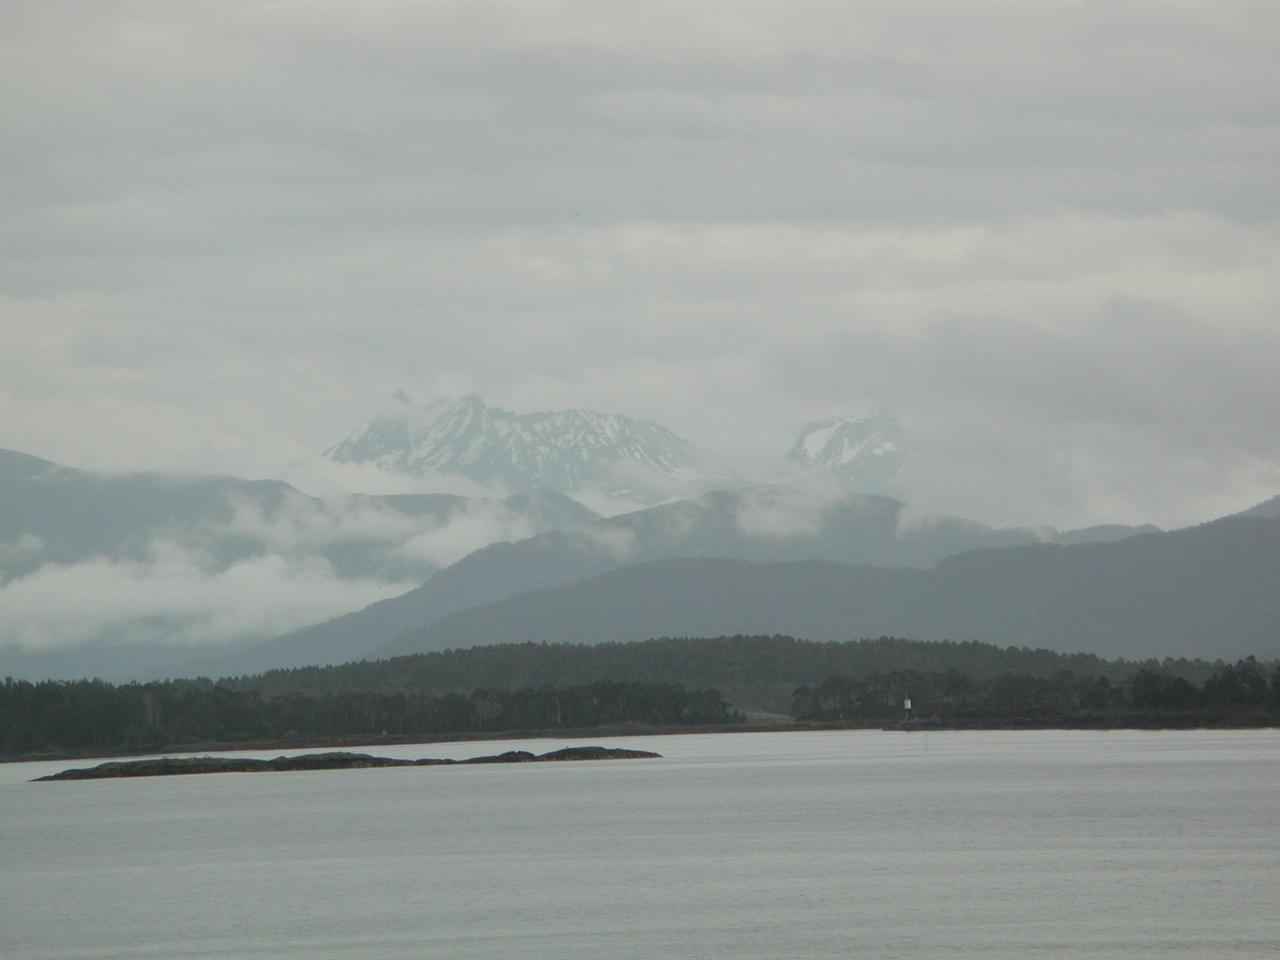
233,230
268,568
467,530
20,553
298,525
783,512
176,595
1131,411
801,505
321,477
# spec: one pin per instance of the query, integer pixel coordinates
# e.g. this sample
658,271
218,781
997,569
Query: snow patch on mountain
865,454
580,453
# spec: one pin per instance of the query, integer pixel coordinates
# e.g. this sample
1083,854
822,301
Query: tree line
1246,687
753,672
662,682
92,714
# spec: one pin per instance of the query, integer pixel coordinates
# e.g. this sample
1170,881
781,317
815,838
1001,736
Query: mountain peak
864,453
574,452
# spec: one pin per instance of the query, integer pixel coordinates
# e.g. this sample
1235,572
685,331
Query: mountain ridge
757,523
1205,591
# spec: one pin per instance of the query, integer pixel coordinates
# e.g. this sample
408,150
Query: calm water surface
835,844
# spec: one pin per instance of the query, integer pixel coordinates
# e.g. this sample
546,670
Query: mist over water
834,844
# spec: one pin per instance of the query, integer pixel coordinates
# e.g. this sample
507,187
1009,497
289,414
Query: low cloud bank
177,594
468,530
267,568
793,510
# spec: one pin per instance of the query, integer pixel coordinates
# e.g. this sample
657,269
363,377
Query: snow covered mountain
864,454
576,452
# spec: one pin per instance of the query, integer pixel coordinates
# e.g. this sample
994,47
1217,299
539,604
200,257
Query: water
768,845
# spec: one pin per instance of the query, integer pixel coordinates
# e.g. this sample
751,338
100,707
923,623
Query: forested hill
753,672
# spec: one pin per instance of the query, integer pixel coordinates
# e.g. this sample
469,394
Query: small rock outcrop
178,766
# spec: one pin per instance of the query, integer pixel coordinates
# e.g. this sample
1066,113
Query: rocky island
177,766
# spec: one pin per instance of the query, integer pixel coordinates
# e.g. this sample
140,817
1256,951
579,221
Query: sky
1045,236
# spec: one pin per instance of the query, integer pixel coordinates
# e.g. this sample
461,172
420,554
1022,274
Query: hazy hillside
1102,533
1268,508
1208,591
760,523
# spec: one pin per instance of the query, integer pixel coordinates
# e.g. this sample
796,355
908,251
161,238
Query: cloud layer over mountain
138,558
175,594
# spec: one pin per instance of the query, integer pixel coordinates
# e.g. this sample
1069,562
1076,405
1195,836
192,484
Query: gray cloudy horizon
1047,236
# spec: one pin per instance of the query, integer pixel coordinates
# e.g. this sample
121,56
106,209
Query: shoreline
1101,723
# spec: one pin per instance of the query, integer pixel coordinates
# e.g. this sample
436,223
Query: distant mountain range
495,570
759,523
1209,591
590,455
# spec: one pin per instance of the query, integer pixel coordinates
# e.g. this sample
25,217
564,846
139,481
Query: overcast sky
1045,235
